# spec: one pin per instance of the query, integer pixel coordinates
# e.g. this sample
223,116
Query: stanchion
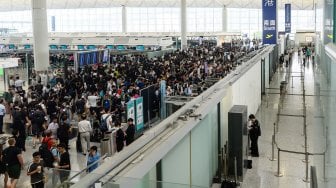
324,168
306,177
278,174
273,143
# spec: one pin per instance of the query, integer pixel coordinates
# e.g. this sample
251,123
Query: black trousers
38,185
254,147
1,123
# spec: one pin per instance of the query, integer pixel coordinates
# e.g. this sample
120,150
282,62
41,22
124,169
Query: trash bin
105,147
109,135
283,85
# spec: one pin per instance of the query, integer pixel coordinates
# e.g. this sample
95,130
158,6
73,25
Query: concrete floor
290,132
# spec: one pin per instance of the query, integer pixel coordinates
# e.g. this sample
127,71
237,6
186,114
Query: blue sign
269,10
139,121
109,47
64,47
140,48
163,98
53,47
287,18
27,46
121,47
80,47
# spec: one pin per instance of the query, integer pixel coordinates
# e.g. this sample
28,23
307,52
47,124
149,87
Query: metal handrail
85,169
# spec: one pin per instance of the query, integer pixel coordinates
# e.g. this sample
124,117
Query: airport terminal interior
167,93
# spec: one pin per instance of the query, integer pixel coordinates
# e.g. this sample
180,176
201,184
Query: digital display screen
140,48
80,47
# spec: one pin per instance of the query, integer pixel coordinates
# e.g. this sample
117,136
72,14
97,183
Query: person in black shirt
63,131
35,171
254,133
130,131
64,164
13,159
120,137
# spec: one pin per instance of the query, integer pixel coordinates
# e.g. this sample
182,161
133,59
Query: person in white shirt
18,83
84,129
53,126
92,101
108,116
2,115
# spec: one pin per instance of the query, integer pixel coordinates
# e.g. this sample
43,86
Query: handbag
45,179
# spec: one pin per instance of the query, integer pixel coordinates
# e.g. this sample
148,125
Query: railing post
278,174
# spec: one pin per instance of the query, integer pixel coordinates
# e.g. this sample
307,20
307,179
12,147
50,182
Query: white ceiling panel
13,5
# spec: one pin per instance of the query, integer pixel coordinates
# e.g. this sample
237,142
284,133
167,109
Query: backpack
46,155
37,116
103,123
258,128
106,104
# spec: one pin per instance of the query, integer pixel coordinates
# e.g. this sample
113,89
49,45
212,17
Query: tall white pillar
183,24
224,19
40,32
124,19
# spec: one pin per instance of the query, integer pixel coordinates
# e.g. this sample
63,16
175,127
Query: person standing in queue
35,171
84,128
120,136
12,157
2,115
130,131
254,132
64,164
92,159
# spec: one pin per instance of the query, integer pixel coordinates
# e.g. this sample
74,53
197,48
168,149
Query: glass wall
153,19
159,19
301,20
86,20
249,21
204,19
16,21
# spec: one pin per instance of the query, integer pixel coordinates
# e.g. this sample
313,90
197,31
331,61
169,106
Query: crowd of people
95,97
306,55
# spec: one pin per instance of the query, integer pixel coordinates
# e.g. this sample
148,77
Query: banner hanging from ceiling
269,10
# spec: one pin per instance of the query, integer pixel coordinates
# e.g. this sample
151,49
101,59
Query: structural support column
40,32
183,24
224,19
124,18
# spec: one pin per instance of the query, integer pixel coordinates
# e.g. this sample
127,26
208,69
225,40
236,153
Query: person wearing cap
64,163
130,131
84,129
35,171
